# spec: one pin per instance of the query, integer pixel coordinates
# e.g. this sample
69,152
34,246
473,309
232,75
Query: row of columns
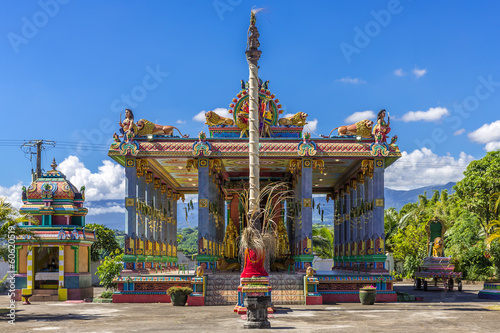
359,241
151,218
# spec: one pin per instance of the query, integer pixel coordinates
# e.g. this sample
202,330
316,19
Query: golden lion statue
309,271
145,127
200,271
298,119
213,119
223,265
362,128
437,247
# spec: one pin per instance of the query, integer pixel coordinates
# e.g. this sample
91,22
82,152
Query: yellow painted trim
63,294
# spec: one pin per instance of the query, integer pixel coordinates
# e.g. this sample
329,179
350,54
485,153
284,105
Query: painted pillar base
63,294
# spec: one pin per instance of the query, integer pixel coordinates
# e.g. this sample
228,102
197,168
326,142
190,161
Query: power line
35,147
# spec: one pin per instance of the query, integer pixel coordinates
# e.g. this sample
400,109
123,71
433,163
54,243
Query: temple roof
53,187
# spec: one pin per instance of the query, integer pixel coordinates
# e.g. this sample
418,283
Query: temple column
336,229
347,226
340,236
173,227
354,219
62,292
164,223
306,257
203,213
362,203
378,235
130,197
148,199
141,218
149,222
298,216
157,205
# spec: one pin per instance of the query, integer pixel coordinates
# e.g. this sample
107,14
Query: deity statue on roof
381,129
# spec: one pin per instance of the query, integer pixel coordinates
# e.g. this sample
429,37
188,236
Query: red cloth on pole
254,264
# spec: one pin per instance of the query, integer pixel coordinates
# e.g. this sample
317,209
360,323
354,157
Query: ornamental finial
54,164
253,53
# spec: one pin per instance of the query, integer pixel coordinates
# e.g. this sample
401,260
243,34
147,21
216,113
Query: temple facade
347,168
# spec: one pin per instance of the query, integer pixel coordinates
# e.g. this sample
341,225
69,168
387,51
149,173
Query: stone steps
45,295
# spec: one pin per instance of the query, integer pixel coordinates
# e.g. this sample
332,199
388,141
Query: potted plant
367,295
179,295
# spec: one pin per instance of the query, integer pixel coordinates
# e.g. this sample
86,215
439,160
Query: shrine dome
53,194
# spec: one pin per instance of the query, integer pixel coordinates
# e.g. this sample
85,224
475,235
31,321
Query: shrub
107,294
179,290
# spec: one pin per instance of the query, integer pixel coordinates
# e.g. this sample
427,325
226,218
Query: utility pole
29,149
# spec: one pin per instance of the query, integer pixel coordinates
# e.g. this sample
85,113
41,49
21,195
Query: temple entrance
46,267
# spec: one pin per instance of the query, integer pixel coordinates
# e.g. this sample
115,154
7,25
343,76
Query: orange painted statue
254,264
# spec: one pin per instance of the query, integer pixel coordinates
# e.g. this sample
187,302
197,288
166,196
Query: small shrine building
53,262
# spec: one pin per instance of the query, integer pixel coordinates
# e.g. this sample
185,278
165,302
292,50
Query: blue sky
68,66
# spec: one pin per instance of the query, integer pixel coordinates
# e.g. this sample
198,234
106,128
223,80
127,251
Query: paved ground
439,312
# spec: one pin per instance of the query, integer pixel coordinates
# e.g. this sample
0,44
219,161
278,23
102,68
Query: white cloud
459,132
106,184
200,117
180,122
357,116
109,208
223,112
419,72
348,79
431,115
492,146
311,126
423,168
399,72
12,194
486,133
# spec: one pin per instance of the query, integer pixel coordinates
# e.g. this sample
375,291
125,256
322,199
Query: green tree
410,245
10,217
323,242
481,181
110,269
189,242
105,244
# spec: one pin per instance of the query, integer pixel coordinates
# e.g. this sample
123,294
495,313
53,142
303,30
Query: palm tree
323,242
494,226
10,218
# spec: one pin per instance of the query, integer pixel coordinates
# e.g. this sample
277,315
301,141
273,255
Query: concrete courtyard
438,312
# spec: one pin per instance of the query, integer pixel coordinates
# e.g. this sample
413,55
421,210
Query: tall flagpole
253,55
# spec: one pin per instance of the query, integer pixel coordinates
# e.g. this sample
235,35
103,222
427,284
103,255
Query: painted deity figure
381,129
230,240
128,128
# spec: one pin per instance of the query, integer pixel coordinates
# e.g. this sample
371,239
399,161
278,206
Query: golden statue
282,244
230,240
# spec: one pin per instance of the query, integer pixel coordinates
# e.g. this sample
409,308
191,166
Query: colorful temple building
348,169
53,261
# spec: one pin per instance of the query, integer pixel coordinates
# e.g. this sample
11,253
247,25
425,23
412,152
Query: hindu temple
346,168
53,260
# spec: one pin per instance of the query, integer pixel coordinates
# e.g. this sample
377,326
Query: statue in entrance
230,243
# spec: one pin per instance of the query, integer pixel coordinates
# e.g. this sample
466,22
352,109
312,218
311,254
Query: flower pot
178,299
367,296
